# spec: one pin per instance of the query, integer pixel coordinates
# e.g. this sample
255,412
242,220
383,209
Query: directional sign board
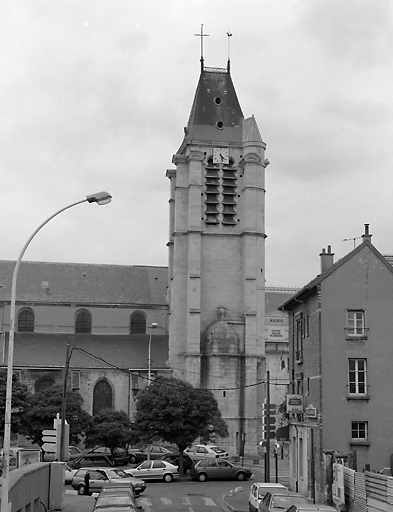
50,440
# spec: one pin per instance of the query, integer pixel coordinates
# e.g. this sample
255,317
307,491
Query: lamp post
153,326
99,198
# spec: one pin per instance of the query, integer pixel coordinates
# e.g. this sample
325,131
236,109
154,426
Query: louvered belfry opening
220,193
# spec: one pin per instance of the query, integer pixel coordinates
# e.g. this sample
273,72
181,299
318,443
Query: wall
29,488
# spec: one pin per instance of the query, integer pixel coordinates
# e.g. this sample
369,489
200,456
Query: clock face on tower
220,155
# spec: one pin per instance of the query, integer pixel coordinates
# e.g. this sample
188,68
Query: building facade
340,364
217,257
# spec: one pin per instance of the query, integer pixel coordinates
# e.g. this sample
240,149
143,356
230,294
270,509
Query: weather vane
202,35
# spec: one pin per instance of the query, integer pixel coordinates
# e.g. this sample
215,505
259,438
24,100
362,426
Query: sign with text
294,403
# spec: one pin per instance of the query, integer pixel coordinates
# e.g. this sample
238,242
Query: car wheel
202,477
168,477
132,459
81,489
240,476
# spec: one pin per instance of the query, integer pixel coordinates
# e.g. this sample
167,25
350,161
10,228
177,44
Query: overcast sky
94,96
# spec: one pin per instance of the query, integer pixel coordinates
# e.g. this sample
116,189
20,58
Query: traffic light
272,420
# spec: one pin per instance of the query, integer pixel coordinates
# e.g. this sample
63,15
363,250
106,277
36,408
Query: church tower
217,257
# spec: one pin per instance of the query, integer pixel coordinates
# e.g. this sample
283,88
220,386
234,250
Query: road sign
49,447
49,436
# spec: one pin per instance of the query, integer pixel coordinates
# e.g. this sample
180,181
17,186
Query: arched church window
26,320
43,383
102,396
83,321
138,323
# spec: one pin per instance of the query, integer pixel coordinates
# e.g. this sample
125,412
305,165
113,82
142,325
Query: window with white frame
355,322
359,430
357,376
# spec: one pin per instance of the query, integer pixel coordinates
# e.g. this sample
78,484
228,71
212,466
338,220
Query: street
180,496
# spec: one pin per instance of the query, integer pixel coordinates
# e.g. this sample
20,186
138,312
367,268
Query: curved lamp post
153,326
99,198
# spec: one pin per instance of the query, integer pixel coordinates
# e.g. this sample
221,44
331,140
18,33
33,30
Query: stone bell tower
217,257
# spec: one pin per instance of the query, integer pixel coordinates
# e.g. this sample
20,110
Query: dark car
173,458
218,469
91,460
119,457
156,451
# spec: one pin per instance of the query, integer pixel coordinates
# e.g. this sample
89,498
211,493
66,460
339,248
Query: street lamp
153,326
99,198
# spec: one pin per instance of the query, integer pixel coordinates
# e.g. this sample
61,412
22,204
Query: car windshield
286,501
217,449
120,473
105,501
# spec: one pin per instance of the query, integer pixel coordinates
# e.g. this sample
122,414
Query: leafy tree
174,411
109,428
43,409
20,402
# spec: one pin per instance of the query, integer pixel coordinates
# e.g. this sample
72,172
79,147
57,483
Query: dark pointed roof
215,115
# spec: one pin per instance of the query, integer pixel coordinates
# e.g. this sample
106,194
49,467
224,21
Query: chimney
327,259
366,237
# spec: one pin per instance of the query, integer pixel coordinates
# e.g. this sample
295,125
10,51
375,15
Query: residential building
341,355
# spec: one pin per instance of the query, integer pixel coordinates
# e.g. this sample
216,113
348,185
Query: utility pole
267,423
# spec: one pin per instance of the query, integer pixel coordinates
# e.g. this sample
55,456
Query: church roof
85,283
215,114
47,350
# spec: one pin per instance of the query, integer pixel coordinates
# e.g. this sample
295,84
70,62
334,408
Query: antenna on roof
229,58
354,240
202,35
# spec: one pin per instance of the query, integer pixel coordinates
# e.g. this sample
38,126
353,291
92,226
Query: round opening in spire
217,100
220,125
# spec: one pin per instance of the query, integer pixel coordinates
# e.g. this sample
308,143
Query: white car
69,474
155,470
205,451
258,491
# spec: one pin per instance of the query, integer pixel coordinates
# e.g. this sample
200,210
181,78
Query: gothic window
26,320
220,193
138,323
83,321
102,396
43,383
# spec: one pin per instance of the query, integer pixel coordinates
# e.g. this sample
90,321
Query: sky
94,95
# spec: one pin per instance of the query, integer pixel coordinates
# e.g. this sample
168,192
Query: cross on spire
202,35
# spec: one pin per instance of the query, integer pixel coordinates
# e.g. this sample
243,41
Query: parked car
205,451
311,508
218,469
258,491
69,474
138,485
122,500
155,470
119,457
156,451
277,502
99,477
173,458
91,460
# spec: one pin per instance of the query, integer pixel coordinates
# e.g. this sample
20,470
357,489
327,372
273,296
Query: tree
20,402
109,428
174,411
43,409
